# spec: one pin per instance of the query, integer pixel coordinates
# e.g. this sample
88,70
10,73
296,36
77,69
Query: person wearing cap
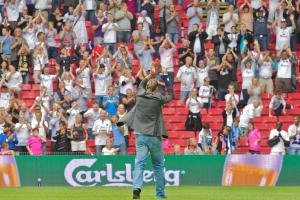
281,137
146,119
260,27
283,34
146,21
9,137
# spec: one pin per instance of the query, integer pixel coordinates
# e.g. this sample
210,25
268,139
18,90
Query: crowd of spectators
96,79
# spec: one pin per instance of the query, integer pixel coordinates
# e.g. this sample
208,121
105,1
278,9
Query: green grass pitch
173,193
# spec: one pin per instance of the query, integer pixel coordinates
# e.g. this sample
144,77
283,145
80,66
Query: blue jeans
294,150
263,41
171,78
90,134
123,36
52,52
144,145
98,100
173,37
184,94
111,46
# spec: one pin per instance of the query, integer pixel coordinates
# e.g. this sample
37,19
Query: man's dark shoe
161,197
136,193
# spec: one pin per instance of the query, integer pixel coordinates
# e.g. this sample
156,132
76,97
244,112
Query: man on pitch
147,121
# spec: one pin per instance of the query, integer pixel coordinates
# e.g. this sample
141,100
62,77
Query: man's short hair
151,85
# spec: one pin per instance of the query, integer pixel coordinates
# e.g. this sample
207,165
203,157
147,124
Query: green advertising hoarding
78,171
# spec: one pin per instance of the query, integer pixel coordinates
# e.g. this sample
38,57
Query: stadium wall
89,171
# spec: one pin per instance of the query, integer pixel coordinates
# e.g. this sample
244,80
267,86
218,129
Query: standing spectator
123,17
98,22
166,51
172,19
56,19
108,150
201,72
232,98
69,15
206,93
228,141
245,38
230,19
294,134
9,137
138,38
149,7
126,82
146,21
100,77
212,62
79,26
278,140
157,38
110,30
6,42
220,42
118,135
278,105
129,100
110,101
254,91
72,113
79,136
260,27
62,139
114,6
283,35
46,79
224,71
5,97
102,129
194,15
249,112
284,71
12,12
232,39
23,64
29,34
192,148
247,69
246,15
35,141
196,38
146,56
121,113
50,40
187,76
164,7
205,139
212,22
266,69
14,80
185,51
233,59
83,73
39,61
62,97
23,129
194,104
92,115
90,7
229,115
254,139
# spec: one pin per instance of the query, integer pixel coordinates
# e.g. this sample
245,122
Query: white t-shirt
103,127
293,132
4,99
188,76
193,105
128,85
23,134
46,80
249,112
100,84
284,69
231,23
283,37
39,61
166,58
234,99
42,131
15,79
107,152
279,148
110,35
247,75
205,91
265,70
201,74
85,76
12,11
72,116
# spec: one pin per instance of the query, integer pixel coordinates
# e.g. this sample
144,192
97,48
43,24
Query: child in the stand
206,92
108,149
278,105
205,139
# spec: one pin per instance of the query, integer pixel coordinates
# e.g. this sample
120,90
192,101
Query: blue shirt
118,136
7,42
146,59
111,107
11,143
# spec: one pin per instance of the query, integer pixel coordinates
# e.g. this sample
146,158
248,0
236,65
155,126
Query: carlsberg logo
81,173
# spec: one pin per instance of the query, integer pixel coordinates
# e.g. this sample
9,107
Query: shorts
78,146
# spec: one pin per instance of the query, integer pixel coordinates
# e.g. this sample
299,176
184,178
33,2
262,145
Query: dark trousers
278,111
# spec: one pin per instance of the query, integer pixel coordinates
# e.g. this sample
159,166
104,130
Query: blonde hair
151,85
